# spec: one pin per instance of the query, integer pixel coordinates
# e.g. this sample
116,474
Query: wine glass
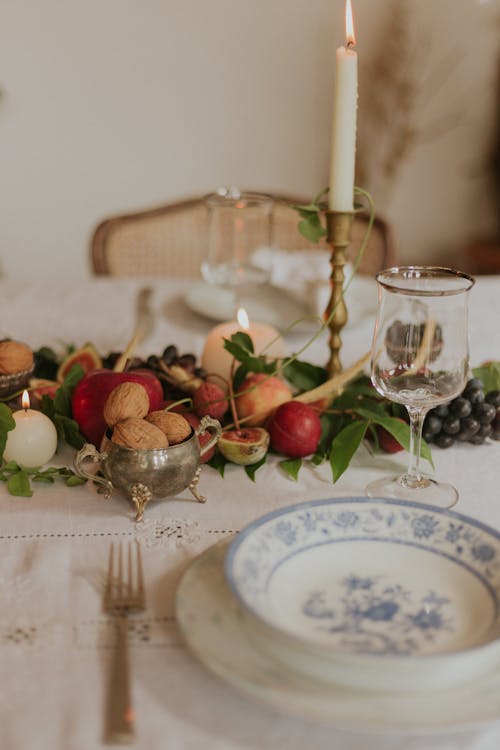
238,225
420,359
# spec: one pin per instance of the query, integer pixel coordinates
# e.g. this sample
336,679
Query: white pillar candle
343,154
215,359
33,441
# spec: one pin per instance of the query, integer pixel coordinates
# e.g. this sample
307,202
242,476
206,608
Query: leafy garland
353,415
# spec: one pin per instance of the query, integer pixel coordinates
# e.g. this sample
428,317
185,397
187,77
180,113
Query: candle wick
350,44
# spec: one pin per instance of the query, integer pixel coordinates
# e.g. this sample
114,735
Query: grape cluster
472,417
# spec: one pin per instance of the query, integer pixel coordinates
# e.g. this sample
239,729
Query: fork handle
120,714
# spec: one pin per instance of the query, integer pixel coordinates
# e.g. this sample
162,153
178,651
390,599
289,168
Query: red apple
387,442
295,429
258,396
92,391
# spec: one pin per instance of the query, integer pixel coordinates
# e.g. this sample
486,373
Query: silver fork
123,595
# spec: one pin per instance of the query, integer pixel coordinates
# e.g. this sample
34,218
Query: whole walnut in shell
127,400
14,357
174,426
138,434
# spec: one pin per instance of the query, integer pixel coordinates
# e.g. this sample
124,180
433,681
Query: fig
295,429
244,446
87,357
39,387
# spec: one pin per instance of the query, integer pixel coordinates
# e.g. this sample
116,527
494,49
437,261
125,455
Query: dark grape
451,426
484,413
474,395
428,436
187,362
468,427
474,383
152,361
485,430
493,397
170,354
477,439
461,407
433,424
444,441
441,411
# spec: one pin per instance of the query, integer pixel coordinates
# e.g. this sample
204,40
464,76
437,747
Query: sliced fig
87,357
39,387
244,446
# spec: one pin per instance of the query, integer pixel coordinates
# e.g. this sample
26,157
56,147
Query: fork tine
109,580
119,581
140,577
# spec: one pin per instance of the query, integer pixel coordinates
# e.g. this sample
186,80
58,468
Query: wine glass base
427,490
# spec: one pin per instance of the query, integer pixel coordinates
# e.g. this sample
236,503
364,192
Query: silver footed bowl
142,475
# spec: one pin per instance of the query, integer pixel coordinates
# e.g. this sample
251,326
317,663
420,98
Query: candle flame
242,318
25,400
350,38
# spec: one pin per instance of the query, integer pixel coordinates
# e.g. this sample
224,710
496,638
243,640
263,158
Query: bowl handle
208,424
90,452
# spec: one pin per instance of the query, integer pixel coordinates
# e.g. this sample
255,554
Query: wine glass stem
417,416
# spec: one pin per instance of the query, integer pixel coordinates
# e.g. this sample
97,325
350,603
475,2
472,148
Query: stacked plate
360,597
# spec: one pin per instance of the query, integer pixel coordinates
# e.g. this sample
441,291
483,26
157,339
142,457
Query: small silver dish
142,475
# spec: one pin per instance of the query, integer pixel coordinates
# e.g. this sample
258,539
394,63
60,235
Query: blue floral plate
374,593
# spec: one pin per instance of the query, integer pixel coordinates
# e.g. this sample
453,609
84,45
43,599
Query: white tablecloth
54,640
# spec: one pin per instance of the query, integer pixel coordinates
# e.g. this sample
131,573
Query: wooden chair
170,240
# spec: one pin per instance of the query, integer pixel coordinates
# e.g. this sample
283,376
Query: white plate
370,592
273,305
215,629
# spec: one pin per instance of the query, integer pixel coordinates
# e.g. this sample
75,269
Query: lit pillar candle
33,441
343,154
217,360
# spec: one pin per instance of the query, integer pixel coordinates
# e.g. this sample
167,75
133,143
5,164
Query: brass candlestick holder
338,228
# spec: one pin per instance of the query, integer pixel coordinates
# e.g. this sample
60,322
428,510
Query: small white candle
217,360
33,441
343,154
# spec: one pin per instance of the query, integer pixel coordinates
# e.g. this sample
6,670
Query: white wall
112,105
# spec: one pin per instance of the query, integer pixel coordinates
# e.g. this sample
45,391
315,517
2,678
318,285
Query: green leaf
7,423
239,376
19,484
345,445
252,468
490,375
75,481
47,406
46,363
218,462
252,362
70,431
62,399
11,466
43,478
303,375
291,467
398,429
311,228
243,339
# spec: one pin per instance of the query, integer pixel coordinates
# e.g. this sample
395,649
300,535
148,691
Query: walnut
126,400
138,434
14,357
174,426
